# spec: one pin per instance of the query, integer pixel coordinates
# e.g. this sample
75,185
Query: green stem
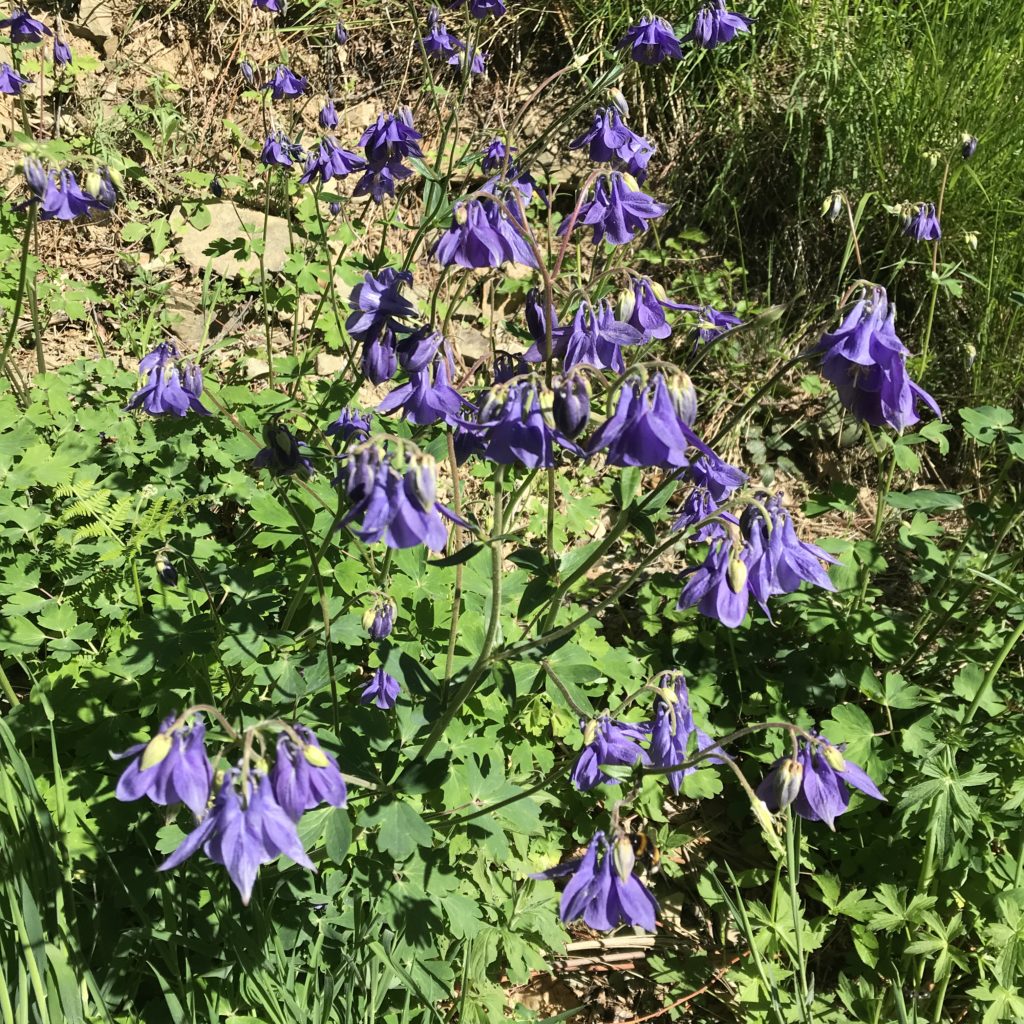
990,676
5,685
263,280
453,631
19,298
793,871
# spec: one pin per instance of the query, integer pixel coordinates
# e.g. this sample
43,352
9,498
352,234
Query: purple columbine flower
642,306
618,212
304,775
63,199
476,57
495,156
381,689
280,151
247,73
720,586
416,351
608,893
340,34
36,177
380,357
651,424
438,39
651,40
329,161
715,25
570,407
168,390
514,426
282,455
866,361
428,397
171,768
243,833
482,235
672,728
377,303
350,424
379,183
607,741
399,508
24,28
594,338
379,618
815,783
11,83
284,84
391,137
273,6
482,8
714,481
328,116
61,52
611,141
923,224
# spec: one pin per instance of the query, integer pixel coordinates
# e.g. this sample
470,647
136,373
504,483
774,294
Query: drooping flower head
379,618
607,742
11,83
171,768
866,361
350,424
604,890
482,8
243,831
714,482
816,784
166,570
273,6
282,454
673,728
329,161
168,388
437,38
284,84
642,306
651,40
340,34
304,775
570,407
618,212
377,303
381,689
390,137
473,56
24,28
61,52
428,397
610,140
482,234
923,224
715,25
594,338
495,156
328,116
279,151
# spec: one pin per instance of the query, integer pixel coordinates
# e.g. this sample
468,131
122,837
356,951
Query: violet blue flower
170,768
715,25
340,34
329,161
380,357
390,137
379,618
381,689
643,308
608,893
651,40
279,151
11,83
274,6
482,235
379,183
168,390
495,156
438,39
672,728
611,141
715,481
284,84
243,834
63,199
570,408
36,177
61,52
594,338
282,455
248,74
377,303
866,361
24,28
816,784
719,587
476,57
328,116
482,8
923,225
428,397
350,424
618,212
417,350
304,775
607,741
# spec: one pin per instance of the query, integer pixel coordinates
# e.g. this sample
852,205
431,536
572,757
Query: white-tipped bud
156,750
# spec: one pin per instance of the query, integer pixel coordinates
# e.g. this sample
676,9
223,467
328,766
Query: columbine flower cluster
172,387
652,39
252,818
58,195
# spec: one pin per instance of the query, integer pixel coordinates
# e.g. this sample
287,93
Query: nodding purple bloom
535,310
24,28
496,155
715,25
607,741
608,893
334,208
166,570
482,235
273,6
642,306
379,183
611,141
594,338
280,151
715,480
816,783
61,52
651,424
248,74
570,408
719,587
391,137
171,768
710,323
672,728
100,186
166,389
379,618
377,303
36,177
618,212
923,224
970,145
350,424
340,34
476,58
243,834
438,39
428,397
11,83
417,350
482,8
284,84
330,161
282,455
514,426
216,188
399,508
866,361
304,775
328,116
381,689
380,357
651,40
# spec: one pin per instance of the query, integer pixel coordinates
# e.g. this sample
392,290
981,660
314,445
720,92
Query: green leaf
400,828
924,499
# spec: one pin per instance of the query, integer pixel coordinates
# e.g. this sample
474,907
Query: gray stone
328,365
221,240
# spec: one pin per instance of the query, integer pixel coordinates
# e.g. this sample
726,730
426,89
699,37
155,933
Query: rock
472,344
254,368
187,322
96,23
221,241
328,365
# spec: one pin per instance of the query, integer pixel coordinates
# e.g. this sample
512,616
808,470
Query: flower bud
93,184
684,397
340,34
619,101
627,303
789,777
156,750
590,732
314,756
571,405
421,479
970,144
631,182
971,238
737,572
335,208
764,819
247,73
35,176
833,756
165,570
379,620
623,856
832,207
